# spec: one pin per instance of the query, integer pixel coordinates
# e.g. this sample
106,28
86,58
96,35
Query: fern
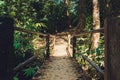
29,72
15,78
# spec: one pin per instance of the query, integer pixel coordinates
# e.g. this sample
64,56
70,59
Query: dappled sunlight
60,66
59,39
59,50
38,43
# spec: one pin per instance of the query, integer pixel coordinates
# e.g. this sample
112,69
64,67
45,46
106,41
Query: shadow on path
60,66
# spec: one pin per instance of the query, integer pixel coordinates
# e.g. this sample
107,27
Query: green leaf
2,3
17,45
29,72
15,78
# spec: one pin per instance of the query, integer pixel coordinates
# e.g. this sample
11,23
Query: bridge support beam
6,48
112,48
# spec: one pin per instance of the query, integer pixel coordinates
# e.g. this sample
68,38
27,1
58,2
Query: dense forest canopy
39,15
53,16
46,16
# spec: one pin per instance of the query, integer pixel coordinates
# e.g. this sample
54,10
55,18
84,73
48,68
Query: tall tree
112,33
114,7
82,15
96,25
67,13
67,3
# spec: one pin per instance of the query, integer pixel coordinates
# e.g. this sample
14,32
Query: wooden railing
34,57
21,65
112,33
89,32
6,48
73,39
7,28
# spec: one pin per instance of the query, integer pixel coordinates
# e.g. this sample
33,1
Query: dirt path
60,66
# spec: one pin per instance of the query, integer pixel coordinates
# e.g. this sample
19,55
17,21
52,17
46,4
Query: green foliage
24,49
88,23
39,15
29,72
83,44
73,11
56,15
15,78
46,16
97,55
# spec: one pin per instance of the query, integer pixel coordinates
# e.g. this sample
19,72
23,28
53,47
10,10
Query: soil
60,66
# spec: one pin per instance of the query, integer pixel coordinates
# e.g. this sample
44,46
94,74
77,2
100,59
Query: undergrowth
96,56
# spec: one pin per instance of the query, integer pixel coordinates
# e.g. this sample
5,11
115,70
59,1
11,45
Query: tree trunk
112,41
82,15
115,8
96,25
67,14
67,3
6,48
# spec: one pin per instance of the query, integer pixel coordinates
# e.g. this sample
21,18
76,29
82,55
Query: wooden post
68,47
112,48
54,42
68,42
74,46
47,46
6,48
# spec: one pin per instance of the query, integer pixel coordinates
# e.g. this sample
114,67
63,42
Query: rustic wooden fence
73,39
47,50
6,48
112,48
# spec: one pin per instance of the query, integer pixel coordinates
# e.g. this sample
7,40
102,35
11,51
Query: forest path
60,66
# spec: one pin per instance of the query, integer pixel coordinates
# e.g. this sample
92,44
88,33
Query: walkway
60,66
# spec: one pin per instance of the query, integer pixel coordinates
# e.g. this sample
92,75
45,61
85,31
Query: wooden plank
112,48
6,48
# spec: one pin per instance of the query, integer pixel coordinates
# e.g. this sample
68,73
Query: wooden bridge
61,64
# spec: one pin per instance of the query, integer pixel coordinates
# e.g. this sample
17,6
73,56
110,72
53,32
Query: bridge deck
60,66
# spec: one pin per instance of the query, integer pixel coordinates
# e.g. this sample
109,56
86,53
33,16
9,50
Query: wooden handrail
83,33
31,32
83,56
21,65
93,64
33,57
89,32
24,63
